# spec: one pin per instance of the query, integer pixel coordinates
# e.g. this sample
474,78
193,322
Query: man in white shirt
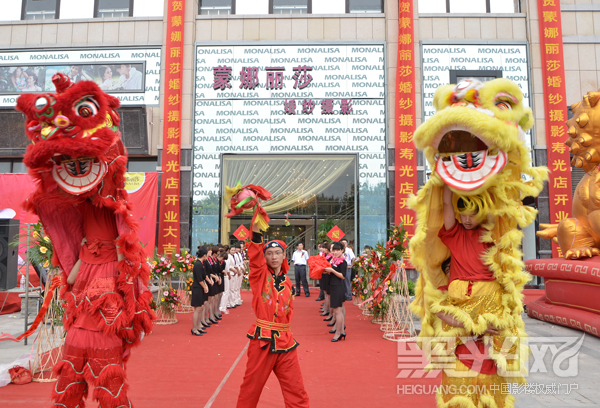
229,269
236,300
349,255
299,258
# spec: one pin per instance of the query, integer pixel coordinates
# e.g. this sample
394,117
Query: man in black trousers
300,257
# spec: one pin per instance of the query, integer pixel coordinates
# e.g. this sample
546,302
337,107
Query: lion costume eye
86,107
41,103
503,105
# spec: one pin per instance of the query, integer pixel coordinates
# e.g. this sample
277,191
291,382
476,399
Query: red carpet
531,295
174,368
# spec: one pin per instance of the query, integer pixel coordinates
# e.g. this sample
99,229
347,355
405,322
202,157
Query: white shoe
239,303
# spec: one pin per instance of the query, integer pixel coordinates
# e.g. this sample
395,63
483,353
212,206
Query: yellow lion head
475,127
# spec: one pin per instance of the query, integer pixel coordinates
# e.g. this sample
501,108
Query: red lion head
74,134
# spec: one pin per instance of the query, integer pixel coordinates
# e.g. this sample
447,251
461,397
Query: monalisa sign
289,99
130,74
439,60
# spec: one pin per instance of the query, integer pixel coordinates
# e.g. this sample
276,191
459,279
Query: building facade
297,95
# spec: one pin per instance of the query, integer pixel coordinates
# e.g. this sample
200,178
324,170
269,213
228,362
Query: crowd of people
218,274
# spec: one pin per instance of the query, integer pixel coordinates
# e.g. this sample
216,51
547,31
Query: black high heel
332,331
196,333
330,324
342,336
328,319
213,321
324,314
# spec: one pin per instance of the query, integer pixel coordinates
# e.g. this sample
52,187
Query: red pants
287,369
95,358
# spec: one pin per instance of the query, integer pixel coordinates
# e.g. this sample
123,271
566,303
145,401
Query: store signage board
140,86
256,99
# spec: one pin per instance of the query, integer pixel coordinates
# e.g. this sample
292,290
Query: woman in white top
229,269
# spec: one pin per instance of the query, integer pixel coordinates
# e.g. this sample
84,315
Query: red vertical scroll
405,123
168,225
555,104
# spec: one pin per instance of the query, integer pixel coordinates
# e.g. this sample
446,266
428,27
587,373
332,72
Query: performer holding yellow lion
472,318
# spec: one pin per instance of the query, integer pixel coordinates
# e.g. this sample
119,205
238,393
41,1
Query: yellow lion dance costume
475,144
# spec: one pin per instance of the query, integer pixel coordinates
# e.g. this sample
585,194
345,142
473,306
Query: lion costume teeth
474,144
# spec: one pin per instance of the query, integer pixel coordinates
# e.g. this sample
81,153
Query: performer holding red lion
272,346
79,162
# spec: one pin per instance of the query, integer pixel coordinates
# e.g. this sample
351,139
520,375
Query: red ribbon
38,318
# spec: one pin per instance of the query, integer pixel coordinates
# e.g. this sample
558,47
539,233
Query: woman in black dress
199,288
325,278
216,271
211,281
337,291
222,258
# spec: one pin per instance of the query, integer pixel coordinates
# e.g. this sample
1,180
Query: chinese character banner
169,214
405,153
555,105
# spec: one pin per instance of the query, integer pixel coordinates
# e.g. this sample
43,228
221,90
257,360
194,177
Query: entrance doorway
314,193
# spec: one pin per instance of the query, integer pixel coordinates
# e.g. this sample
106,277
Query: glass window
5,167
215,7
505,6
432,6
290,6
312,193
365,6
141,166
469,7
39,9
114,8
19,168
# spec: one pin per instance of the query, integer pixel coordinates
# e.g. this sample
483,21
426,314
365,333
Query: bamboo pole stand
50,339
164,317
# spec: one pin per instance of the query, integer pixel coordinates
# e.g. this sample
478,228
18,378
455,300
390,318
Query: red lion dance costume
79,161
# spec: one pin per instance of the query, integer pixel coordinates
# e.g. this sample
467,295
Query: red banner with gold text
168,225
405,152
555,104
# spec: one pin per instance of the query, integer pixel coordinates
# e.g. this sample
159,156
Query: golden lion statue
579,236
475,145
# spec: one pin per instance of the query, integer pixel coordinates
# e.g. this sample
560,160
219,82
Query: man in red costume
79,163
272,346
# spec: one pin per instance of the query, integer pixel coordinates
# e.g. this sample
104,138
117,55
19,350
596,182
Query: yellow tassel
261,223
231,191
